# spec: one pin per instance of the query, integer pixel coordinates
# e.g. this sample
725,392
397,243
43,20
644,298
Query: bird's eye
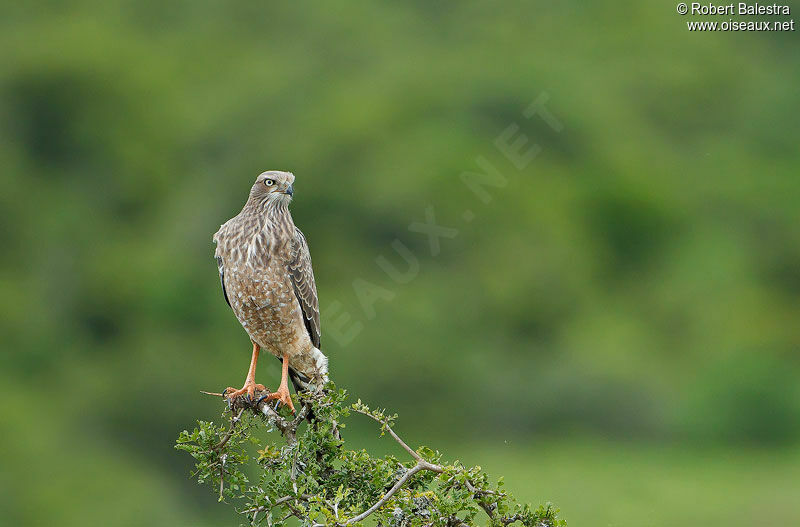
269,182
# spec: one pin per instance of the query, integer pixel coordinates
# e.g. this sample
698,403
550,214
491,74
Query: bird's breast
260,288
263,300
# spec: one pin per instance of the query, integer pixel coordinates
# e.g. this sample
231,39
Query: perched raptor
267,279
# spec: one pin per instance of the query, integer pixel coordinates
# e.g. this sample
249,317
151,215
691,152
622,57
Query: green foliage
306,472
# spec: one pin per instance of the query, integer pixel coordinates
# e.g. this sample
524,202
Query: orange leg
250,385
283,395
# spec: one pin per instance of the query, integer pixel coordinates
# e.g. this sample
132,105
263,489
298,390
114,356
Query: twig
279,501
397,486
486,508
223,458
219,446
421,465
228,435
391,432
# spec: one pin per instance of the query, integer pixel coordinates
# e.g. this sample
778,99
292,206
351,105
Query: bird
268,281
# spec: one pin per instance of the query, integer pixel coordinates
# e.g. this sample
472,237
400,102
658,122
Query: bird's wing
305,289
220,262
222,280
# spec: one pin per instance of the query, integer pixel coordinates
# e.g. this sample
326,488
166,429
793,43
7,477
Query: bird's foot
282,396
249,389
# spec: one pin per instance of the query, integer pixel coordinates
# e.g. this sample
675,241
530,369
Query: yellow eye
269,182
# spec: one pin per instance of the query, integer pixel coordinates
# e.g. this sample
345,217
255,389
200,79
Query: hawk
267,279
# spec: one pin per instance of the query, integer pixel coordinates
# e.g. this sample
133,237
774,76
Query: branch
397,486
259,404
421,465
310,475
478,494
222,459
402,443
228,436
279,501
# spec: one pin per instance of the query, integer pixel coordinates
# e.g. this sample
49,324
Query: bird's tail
312,378
301,382
309,373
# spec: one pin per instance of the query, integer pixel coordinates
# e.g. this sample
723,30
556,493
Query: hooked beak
290,190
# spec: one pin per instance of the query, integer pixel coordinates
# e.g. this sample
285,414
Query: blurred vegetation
638,283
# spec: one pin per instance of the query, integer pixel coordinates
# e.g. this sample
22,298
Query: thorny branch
227,437
385,424
397,486
259,404
306,506
421,465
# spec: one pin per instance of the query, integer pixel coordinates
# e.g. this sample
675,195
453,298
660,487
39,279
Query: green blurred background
616,331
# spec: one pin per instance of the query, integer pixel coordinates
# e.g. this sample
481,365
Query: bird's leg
282,395
250,385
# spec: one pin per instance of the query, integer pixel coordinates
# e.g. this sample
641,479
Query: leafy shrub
306,472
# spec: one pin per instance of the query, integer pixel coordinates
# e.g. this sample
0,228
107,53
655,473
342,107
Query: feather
222,280
305,288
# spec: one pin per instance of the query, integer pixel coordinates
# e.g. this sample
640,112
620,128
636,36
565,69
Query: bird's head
273,185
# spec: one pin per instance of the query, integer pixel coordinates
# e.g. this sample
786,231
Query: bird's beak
290,190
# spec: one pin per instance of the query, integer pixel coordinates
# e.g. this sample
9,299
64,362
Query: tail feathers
301,382
304,383
308,370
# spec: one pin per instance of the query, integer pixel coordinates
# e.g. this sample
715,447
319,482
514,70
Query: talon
248,391
282,396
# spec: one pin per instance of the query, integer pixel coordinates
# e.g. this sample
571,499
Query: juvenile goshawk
267,279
